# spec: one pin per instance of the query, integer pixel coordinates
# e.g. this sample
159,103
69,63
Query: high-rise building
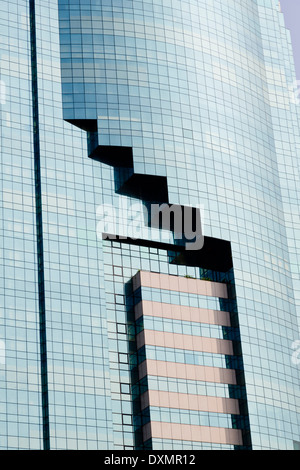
150,232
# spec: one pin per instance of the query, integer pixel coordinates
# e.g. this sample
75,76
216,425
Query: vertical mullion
39,229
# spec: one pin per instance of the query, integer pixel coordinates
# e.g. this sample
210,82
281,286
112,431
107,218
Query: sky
291,10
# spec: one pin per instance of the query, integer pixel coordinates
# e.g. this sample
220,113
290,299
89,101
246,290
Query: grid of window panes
201,92
188,356
181,326
122,261
20,390
170,444
193,387
77,352
197,418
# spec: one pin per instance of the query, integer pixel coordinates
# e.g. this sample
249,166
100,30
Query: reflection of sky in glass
291,10
225,142
207,107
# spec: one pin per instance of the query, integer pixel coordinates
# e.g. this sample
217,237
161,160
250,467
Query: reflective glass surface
201,92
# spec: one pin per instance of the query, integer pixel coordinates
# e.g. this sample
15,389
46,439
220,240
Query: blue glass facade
190,100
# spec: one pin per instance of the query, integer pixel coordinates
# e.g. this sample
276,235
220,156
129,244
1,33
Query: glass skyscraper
150,232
